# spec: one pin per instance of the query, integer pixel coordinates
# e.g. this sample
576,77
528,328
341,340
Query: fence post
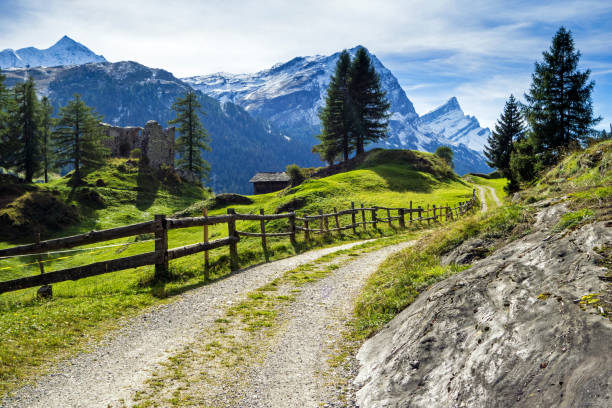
233,247
292,228
321,222
326,221
374,217
353,217
435,217
161,248
428,217
420,214
337,221
411,212
389,216
363,218
402,221
206,266
306,232
262,224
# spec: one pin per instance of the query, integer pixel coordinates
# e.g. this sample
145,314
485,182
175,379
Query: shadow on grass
147,186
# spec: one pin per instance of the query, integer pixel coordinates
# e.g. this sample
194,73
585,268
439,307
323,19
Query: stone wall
155,142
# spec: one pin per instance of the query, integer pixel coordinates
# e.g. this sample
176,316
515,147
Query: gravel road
483,200
109,373
290,375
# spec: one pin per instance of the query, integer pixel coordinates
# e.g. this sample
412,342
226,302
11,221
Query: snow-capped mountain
450,122
289,95
64,52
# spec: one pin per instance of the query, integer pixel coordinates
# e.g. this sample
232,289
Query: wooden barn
267,182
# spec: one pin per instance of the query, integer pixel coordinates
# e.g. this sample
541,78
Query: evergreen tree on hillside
78,138
337,115
559,110
508,129
193,137
6,147
26,130
368,101
46,121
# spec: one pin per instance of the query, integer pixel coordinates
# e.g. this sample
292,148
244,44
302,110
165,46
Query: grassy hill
34,331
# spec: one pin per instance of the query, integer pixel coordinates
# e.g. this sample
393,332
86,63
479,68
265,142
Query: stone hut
155,142
268,182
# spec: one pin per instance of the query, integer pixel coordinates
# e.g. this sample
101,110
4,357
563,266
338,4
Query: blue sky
479,51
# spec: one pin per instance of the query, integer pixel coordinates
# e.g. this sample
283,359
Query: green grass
573,219
34,332
497,184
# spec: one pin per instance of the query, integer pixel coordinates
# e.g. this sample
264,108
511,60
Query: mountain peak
65,40
453,103
64,52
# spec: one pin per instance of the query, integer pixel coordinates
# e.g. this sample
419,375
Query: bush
446,153
136,153
295,174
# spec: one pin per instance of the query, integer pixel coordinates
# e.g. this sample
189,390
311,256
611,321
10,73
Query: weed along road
112,371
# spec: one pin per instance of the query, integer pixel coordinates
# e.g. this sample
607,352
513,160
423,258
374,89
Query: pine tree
508,129
337,115
368,101
26,130
559,110
6,145
193,137
46,121
78,138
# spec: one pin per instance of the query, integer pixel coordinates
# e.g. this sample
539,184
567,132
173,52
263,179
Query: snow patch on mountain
64,52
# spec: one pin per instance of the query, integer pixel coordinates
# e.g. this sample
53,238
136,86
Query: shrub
136,153
295,174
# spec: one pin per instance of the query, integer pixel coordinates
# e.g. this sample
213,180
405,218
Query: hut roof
264,177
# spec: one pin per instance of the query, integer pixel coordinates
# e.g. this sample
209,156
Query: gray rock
505,333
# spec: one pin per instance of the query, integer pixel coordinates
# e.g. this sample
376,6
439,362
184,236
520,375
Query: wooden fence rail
161,225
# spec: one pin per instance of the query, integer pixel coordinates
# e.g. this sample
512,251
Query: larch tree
559,107
78,138
193,137
508,129
368,101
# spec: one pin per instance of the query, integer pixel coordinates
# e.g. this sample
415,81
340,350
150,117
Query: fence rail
161,225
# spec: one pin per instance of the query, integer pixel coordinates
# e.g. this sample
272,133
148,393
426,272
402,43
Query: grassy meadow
35,332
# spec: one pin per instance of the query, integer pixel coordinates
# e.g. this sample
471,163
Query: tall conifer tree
193,137
78,138
337,115
369,102
46,121
26,128
559,110
508,129
6,147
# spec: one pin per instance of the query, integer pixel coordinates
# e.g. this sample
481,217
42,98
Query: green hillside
34,332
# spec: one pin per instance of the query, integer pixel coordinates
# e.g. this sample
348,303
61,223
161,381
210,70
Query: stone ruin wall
155,142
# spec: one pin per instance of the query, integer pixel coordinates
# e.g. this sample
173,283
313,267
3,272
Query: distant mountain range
64,52
258,122
289,96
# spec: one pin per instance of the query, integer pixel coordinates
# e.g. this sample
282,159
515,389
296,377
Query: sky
480,51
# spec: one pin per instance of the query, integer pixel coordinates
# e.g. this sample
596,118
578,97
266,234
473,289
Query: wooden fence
312,224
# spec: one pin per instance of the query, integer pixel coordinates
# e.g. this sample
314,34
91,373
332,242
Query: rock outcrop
517,329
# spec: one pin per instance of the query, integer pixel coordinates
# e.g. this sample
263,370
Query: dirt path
492,190
483,199
291,373
110,373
